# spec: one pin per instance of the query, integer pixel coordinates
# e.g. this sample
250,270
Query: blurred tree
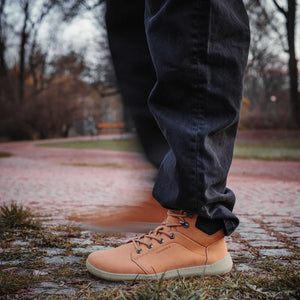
62,100
6,90
287,9
32,19
290,21
100,72
2,39
40,97
264,58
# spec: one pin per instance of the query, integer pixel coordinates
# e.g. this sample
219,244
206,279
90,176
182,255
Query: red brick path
67,181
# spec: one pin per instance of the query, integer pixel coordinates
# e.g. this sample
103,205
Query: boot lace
146,239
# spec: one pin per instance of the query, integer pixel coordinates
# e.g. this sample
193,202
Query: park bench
110,127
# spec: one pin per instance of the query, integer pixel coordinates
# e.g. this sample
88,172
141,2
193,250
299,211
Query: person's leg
199,50
134,71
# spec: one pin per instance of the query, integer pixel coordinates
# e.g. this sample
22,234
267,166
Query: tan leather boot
140,218
176,248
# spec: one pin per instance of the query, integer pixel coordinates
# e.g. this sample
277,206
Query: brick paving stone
268,244
19,243
54,251
285,225
39,273
251,230
49,284
80,241
53,291
273,220
89,249
241,254
12,262
276,252
246,268
256,236
290,229
61,260
96,286
247,224
295,234
232,246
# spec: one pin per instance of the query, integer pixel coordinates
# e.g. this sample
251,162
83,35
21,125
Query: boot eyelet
139,251
150,246
184,224
161,241
189,215
172,236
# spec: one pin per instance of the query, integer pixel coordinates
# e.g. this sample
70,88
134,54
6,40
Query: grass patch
273,150
105,165
68,230
51,240
108,165
276,150
24,254
128,145
13,283
5,154
279,282
16,216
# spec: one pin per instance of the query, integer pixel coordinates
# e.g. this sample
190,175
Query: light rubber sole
220,267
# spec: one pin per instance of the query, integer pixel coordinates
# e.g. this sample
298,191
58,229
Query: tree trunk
293,68
24,37
3,70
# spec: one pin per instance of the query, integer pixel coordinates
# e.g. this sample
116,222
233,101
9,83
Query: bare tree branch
281,9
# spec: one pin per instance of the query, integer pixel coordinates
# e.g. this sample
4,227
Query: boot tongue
182,216
173,219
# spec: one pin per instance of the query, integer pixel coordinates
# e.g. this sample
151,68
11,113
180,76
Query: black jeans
188,58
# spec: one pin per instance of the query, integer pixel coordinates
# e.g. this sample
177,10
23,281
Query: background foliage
48,83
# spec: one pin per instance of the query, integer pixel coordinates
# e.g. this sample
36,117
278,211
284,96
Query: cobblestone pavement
58,183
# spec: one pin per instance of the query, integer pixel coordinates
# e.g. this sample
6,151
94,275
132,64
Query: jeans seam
201,100
196,125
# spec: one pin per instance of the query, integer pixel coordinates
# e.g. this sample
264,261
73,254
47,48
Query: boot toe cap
114,261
